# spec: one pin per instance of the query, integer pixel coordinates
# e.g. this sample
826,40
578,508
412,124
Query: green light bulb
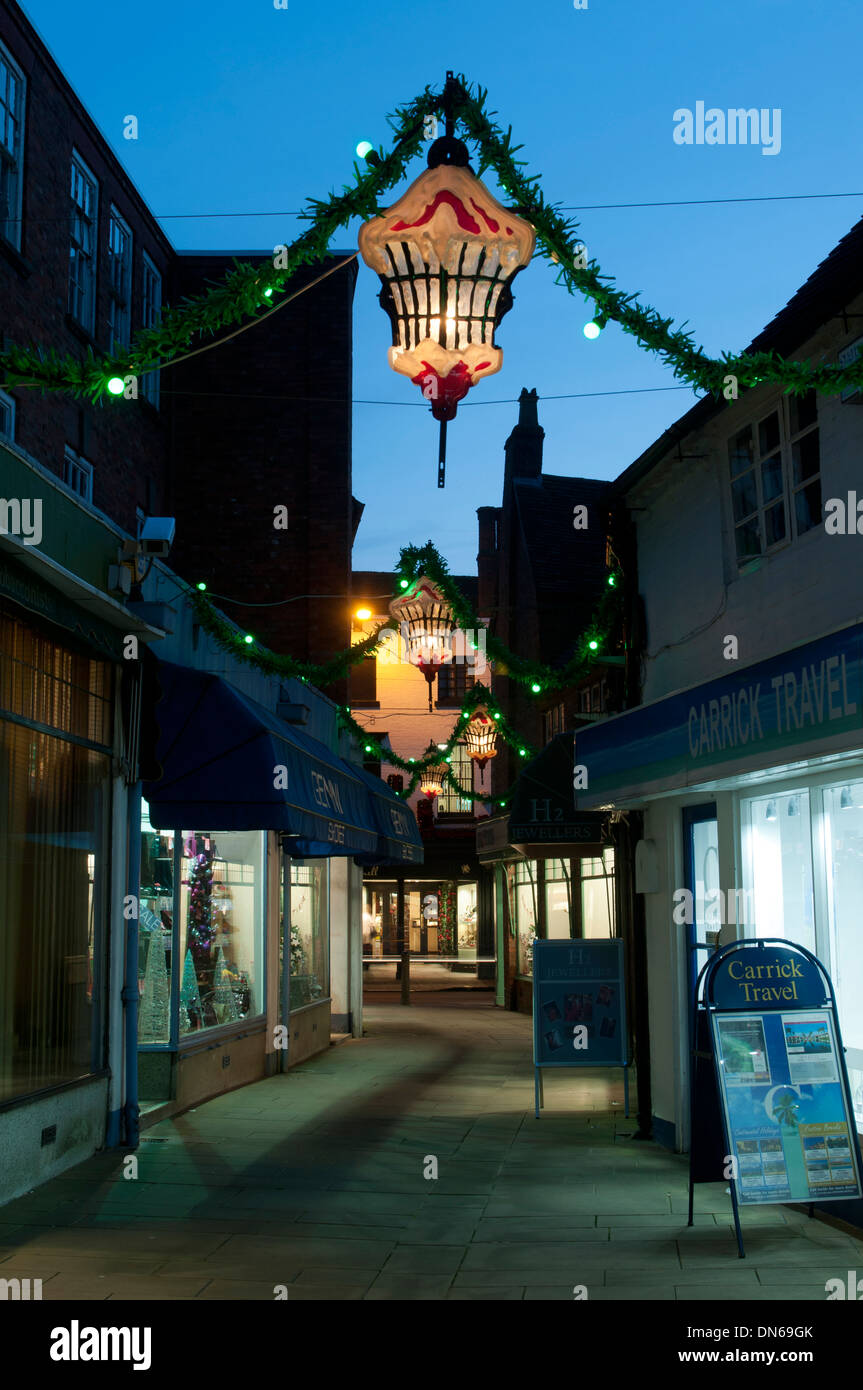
202,586
116,385
495,714
248,639
403,583
594,645
368,748
364,149
522,752
611,581
536,687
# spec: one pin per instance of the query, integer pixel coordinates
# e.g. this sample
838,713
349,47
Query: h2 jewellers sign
803,696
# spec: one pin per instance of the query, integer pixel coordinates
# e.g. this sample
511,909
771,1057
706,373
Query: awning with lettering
543,821
227,763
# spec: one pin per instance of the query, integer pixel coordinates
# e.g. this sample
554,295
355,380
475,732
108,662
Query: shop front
553,870
241,838
752,795
65,729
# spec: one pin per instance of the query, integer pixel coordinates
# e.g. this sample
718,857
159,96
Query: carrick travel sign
810,695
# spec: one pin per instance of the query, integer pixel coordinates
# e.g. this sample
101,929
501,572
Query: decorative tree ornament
480,737
447,253
426,623
433,778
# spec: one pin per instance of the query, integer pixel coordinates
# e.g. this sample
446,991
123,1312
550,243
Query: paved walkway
315,1180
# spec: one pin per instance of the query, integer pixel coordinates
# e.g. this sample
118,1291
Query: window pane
525,914
54,808
597,906
771,478
806,458
558,900
778,867
744,496
221,927
310,932
740,453
774,523
807,507
155,933
466,911
843,808
748,537
768,434
804,411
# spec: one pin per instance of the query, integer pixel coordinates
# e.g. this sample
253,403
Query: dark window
453,683
363,681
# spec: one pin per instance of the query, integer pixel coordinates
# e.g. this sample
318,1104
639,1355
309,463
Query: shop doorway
701,879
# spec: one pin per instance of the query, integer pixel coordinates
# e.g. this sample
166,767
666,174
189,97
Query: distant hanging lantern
447,253
480,737
426,623
433,778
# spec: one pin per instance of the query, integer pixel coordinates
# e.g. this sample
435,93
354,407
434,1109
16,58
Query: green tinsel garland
242,293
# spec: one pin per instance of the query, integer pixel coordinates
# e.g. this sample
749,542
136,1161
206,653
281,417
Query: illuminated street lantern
426,623
447,253
480,737
433,779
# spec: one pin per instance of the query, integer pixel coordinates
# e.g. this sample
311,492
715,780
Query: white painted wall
687,570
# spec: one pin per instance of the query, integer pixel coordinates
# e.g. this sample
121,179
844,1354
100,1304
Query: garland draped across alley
415,561
248,291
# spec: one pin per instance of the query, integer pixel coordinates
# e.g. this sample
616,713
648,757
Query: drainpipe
130,989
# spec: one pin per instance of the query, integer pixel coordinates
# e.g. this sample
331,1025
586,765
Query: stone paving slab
315,1180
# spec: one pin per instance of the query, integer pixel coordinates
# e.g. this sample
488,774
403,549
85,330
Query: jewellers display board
579,1007
781,1083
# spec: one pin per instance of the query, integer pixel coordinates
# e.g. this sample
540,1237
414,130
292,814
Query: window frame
11,227
11,403
91,259
151,312
463,805
73,460
119,297
788,439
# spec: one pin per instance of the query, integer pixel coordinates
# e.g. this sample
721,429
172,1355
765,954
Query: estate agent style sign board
579,1008
780,1080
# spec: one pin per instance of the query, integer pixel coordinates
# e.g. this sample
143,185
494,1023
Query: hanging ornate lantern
433,778
480,737
447,253
426,623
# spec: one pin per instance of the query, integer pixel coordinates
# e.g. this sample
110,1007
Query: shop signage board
579,1007
782,1085
807,696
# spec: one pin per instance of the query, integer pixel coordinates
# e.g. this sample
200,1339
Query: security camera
157,536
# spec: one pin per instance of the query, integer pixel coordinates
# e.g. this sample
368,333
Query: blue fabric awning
399,841
230,764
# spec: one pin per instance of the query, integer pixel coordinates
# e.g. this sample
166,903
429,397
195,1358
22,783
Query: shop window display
221,947
309,935
843,825
777,864
558,899
526,915
467,924
155,933
55,800
597,895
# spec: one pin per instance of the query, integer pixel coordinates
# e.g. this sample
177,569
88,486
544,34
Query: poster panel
785,1105
579,1016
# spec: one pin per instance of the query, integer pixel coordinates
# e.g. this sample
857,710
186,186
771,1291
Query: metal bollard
406,977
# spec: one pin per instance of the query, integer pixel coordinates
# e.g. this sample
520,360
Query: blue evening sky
246,108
